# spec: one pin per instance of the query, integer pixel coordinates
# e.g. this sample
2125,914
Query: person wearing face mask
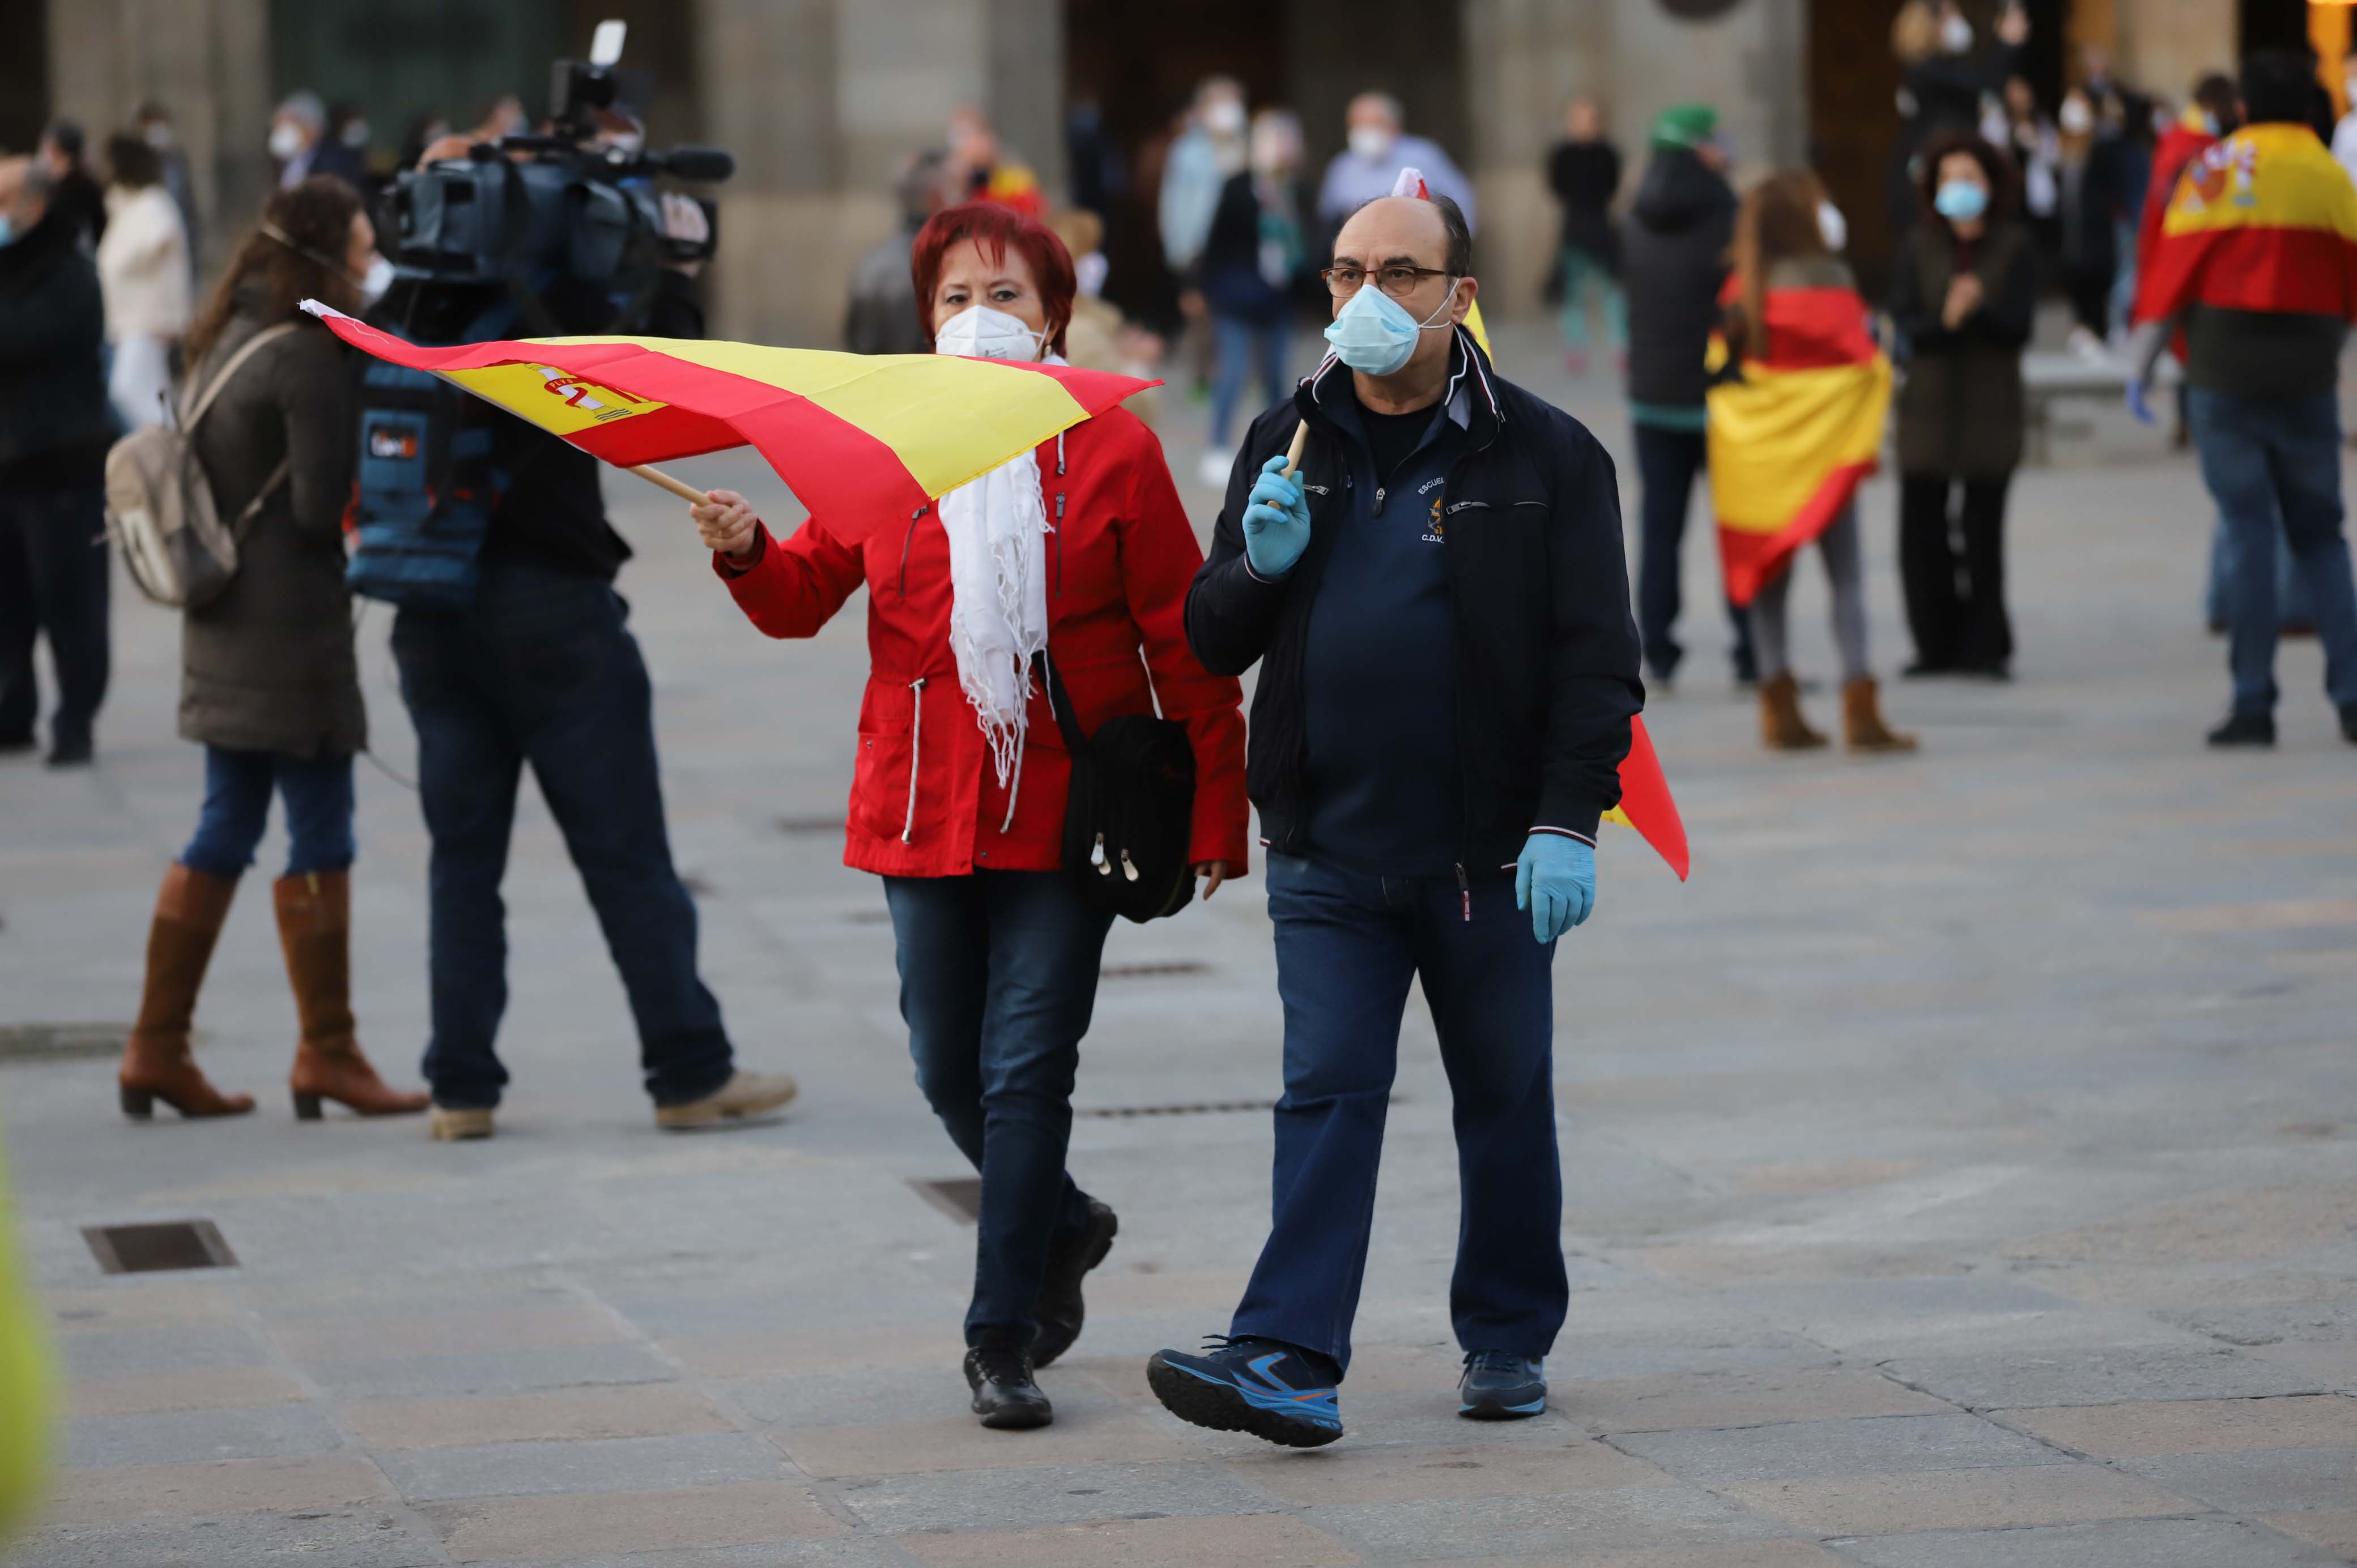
1078,551
143,267
54,433
152,125
1964,297
269,685
1584,172
1252,270
1439,607
1376,149
343,148
2097,188
296,128
75,191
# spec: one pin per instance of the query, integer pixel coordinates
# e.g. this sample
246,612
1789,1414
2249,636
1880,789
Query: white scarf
997,528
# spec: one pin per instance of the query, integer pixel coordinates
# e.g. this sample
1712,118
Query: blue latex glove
2140,402
1276,523
1554,879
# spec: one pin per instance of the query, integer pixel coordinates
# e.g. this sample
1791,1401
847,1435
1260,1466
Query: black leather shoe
72,751
2349,723
1062,1311
1003,1394
2244,729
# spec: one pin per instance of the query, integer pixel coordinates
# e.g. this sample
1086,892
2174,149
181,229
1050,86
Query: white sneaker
1215,466
2086,345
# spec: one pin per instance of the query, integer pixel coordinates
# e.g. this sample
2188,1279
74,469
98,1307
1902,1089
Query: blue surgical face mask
8,230
1960,201
1374,333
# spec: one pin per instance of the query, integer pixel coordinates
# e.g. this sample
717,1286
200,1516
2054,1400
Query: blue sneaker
1499,1385
1264,1387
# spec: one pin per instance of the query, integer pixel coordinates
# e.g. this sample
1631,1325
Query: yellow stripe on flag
1775,435
2264,177
989,407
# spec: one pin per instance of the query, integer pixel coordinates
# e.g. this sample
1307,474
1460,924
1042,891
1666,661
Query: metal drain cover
153,1249
960,1197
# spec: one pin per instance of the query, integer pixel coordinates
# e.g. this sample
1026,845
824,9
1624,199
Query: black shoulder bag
1131,810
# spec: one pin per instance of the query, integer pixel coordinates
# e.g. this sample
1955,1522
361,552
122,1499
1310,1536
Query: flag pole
1293,453
679,487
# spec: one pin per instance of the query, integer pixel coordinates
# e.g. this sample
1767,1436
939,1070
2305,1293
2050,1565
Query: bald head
1408,229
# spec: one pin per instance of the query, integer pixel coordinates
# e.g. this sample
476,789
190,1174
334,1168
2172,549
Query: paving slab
2099,1377
2125,1543
519,1470
2196,1427
1070,1494
1625,1517
347,1538
2258,1481
172,1437
1876,1445
1957,1500
579,1524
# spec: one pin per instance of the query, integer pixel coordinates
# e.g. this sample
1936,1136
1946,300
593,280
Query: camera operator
542,669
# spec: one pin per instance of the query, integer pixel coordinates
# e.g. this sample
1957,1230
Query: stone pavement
1962,1167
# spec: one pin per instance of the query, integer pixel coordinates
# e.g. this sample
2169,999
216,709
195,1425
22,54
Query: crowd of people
1428,781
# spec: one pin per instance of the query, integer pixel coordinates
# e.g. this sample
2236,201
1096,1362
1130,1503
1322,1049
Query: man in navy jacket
1448,668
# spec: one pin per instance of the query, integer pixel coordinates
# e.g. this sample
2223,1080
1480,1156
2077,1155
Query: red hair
997,229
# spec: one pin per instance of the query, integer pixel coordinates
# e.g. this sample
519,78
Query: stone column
207,61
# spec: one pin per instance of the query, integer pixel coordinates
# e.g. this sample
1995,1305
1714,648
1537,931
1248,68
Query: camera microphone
699,163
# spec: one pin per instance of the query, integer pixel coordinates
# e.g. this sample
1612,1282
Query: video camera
530,209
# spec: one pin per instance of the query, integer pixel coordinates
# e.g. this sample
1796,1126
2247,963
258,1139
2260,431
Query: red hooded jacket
925,801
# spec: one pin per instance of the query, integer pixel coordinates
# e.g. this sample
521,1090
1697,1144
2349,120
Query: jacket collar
1471,394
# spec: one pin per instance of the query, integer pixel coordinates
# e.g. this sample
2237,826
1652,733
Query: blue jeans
2273,465
317,792
1347,946
998,976
542,669
1235,338
2291,600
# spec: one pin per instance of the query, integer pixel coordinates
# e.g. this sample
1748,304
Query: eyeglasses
1398,280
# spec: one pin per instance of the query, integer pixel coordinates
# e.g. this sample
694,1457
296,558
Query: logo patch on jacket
1434,532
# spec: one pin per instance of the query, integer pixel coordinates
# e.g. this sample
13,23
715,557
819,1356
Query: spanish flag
1791,434
2263,221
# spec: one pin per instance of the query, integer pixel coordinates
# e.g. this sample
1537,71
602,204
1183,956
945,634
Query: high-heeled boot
156,1060
315,927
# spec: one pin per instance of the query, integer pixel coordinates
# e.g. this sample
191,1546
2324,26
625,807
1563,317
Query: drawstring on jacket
916,753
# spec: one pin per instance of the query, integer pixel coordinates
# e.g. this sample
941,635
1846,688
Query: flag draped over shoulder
1791,434
2265,220
859,438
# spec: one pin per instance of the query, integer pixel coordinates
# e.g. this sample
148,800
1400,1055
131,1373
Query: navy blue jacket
1545,675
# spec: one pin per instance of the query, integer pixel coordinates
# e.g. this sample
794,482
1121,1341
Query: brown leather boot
156,1062
1862,725
315,927
1781,727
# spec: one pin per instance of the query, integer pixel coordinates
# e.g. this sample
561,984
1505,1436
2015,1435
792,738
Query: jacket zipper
907,540
1465,892
1059,530
916,750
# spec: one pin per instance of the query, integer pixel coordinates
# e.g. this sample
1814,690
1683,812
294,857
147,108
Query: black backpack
1130,813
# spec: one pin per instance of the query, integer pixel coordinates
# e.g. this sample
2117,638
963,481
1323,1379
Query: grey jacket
268,666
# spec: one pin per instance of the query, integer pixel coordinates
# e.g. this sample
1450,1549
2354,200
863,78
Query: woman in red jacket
958,798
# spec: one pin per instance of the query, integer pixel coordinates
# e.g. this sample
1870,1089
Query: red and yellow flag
2265,220
1645,801
859,438
1791,434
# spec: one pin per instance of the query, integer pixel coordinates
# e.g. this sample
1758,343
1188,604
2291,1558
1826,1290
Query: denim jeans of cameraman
998,977
542,669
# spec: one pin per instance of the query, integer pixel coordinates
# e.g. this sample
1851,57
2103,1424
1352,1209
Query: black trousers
1667,464
54,569
1952,568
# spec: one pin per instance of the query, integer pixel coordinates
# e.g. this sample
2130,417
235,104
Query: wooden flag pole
681,489
1293,453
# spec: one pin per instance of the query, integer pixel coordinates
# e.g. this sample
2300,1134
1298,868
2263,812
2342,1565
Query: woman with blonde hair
1795,423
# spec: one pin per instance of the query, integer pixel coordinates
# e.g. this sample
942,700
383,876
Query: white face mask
1089,274
356,135
2077,118
1955,34
978,332
1833,225
285,141
1224,117
1371,142
375,281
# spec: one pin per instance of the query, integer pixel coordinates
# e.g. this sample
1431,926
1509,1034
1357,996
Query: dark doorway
25,78
1859,143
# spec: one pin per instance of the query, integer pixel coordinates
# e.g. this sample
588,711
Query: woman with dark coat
268,684
1963,294
1078,549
